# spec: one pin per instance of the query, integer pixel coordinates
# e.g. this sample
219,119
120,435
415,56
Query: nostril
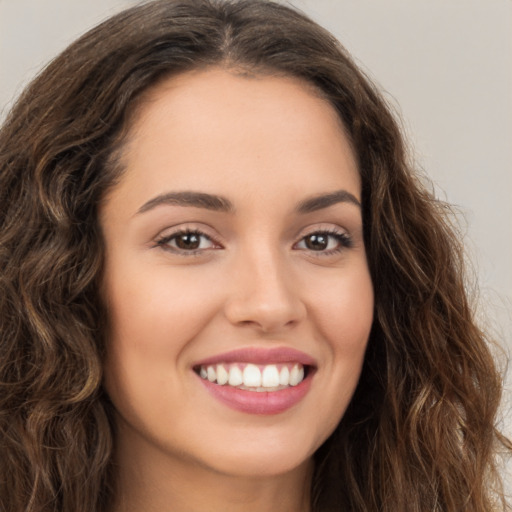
269,305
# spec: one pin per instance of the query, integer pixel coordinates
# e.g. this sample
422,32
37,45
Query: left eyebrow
325,200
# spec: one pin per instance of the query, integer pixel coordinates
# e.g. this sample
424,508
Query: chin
262,465
259,454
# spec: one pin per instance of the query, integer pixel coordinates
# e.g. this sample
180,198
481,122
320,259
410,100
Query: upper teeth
269,377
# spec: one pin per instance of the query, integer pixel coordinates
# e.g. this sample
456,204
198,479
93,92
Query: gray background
446,67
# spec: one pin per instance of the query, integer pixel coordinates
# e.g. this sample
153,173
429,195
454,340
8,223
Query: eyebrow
197,199
325,200
222,204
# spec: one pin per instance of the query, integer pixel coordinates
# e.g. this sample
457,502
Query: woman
223,288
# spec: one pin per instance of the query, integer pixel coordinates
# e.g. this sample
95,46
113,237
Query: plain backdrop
444,65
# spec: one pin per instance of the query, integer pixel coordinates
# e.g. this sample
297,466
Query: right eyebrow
189,198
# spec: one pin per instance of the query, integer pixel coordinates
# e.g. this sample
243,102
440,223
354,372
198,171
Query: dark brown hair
419,434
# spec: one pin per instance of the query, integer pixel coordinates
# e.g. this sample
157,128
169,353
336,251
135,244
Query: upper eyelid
322,228
333,233
185,231
185,227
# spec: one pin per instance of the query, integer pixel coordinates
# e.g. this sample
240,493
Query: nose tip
266,300
266,316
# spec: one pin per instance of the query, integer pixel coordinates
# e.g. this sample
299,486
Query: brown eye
317,241
325,242
187,241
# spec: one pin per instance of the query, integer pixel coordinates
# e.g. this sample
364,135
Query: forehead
230,98
217,129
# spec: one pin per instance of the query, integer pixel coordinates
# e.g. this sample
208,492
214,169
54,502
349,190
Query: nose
264,294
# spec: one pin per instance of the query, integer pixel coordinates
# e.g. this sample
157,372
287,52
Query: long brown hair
419,434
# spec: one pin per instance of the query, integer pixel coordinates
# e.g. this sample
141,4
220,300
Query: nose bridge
264,293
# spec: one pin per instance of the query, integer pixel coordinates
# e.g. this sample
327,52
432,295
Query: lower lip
256,402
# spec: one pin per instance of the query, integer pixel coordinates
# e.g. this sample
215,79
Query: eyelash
344,241
166,240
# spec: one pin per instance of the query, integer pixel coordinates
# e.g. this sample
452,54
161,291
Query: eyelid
322,227
344,238
169,234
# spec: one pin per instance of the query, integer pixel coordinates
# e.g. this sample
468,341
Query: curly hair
419,434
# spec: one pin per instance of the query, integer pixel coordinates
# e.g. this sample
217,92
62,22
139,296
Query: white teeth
235,376
270,377
284,376
211,374
222,375
254,377
296,375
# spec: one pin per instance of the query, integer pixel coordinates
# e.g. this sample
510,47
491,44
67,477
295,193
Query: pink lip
260,356
254,402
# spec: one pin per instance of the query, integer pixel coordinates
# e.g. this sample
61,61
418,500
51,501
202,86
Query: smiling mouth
254,377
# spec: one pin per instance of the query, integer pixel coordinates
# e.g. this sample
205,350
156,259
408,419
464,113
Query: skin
266,144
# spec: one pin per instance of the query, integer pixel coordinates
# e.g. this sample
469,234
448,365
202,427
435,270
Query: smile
252,377
256,380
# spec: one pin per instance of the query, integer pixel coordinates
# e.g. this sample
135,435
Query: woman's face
236,280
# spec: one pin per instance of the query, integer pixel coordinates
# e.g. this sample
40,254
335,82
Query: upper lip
259,355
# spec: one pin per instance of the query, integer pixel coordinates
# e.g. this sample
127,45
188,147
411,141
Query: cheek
344,319
344,311
151,321
155,308
341,311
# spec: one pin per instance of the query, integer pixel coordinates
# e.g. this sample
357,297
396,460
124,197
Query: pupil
188,241
316,242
